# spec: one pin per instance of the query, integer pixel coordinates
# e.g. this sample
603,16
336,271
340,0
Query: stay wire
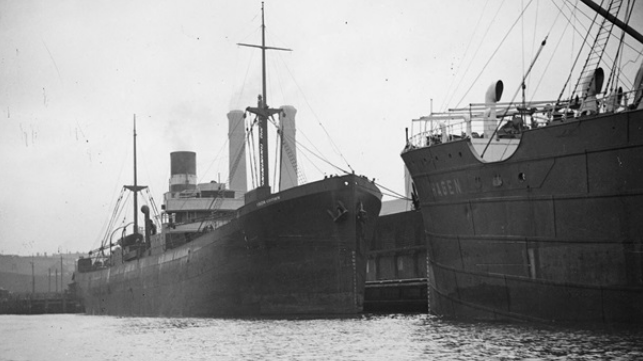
553,53
466,51
321,158
277,156
300,131
494,53
112,219
335,148
582,33
392,193
585,42
114,191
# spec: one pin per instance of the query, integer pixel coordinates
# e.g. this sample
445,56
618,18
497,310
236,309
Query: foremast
263,111
135,188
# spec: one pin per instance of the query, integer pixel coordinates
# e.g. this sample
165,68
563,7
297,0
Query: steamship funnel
183,171
237,151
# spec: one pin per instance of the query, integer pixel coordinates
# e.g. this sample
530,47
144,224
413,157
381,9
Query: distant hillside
16,274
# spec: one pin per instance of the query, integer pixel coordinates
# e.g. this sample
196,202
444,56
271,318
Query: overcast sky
74,73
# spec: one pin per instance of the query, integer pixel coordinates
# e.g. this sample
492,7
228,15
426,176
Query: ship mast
262,111
135,183
135,188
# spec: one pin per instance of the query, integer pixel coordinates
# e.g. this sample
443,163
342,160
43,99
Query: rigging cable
522,52
554,52
533,38
562,91
632,61
113,217
494,52
334,146
150,202
122,205
614,74
250,141
301,132
245,77
114,191
309,160
277,158
475,30
320,158
216,157
608,56
392,194
273,64
542,45
585,30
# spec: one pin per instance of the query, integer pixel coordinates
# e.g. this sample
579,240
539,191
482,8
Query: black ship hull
553,233
297,252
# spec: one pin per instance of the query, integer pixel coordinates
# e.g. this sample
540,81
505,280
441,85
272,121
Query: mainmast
262,111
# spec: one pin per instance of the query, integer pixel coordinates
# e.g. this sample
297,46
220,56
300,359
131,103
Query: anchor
361,212
340,213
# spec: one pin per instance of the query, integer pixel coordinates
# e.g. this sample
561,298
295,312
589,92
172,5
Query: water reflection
387,337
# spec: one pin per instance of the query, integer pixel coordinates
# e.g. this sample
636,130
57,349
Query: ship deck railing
200,224
469,122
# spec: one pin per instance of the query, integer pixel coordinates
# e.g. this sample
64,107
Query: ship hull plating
288,254
553,233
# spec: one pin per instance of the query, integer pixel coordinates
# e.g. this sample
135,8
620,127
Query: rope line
494,53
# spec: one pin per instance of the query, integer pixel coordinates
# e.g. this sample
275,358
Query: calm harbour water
378,337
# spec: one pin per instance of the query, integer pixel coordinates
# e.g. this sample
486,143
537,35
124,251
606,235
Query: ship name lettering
445,188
